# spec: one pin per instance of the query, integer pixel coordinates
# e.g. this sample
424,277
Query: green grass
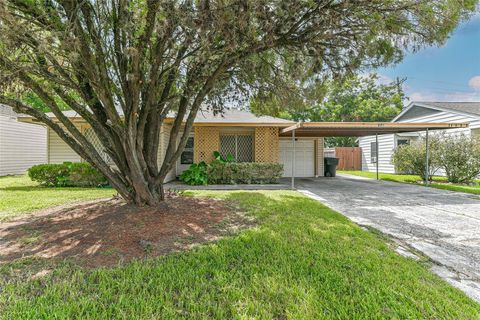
405,178
303,261
19,195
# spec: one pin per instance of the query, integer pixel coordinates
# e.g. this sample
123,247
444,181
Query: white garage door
304,158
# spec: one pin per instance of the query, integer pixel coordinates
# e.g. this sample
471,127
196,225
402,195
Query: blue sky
447,73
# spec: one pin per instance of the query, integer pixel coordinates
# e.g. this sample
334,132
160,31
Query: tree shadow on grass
303,261
107,232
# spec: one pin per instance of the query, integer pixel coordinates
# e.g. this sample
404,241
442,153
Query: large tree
124,65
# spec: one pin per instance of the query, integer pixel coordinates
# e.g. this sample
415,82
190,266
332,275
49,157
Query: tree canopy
125,65
356,98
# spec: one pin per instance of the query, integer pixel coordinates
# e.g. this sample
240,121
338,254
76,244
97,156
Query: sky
447,73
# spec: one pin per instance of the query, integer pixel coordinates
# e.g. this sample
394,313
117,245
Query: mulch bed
108,232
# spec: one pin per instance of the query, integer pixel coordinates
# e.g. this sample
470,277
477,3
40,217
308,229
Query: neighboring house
416,112
247,137
22,145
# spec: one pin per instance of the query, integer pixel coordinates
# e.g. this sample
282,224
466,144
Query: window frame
189,150
236,135
373,152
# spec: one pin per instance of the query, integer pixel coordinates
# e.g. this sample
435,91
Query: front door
186,158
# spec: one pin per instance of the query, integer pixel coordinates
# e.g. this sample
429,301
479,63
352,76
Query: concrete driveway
443,225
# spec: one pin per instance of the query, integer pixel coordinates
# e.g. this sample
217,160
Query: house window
373,152
476,132
187,154
401,142
239,146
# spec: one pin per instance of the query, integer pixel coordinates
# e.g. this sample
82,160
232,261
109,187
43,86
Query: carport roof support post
427,173
376,153
293,160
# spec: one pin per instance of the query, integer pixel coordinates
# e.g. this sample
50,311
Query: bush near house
67,174
227,171
244,172
459,156
196,174
410,159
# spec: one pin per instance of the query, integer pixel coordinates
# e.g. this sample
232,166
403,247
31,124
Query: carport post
376,152
293,159
426,158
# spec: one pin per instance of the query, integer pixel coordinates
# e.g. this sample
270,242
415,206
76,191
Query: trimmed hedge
67,174
244,172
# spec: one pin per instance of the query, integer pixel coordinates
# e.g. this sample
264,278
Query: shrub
244,172
196,174
460,157
51,175
67,174
83,174
410,159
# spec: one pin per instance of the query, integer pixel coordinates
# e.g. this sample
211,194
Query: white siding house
22,145
445,112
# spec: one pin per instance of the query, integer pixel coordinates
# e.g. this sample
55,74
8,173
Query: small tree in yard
459,156
411,159
124,65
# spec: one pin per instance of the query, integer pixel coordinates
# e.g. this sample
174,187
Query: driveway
444,225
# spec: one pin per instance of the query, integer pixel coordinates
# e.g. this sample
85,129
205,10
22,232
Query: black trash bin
330,166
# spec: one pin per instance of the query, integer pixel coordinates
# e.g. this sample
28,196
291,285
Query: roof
237,116
7,111
359,129
470,108
227,117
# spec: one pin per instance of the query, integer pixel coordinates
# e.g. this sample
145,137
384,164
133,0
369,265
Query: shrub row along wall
244,173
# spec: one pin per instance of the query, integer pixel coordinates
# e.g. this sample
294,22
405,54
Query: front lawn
438,182
302,261
18,195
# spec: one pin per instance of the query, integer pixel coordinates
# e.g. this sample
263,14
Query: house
22,145
240,133
249,138
417,112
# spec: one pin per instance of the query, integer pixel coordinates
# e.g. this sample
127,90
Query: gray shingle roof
228,116
468,107
236,116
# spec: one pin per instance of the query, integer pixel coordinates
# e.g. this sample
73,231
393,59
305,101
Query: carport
360,129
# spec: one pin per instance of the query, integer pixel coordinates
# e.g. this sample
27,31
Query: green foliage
302,261
459,156
244,172
181,55
357,98
196,174
218,157
410,159
227,171
67,174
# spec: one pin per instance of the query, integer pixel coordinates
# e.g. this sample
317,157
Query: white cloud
459,96
474,83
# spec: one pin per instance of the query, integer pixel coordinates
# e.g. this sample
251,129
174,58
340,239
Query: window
93,139
187,154
239,146
401,142
373,152
476,132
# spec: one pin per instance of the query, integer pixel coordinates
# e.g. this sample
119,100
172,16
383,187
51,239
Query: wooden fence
350,158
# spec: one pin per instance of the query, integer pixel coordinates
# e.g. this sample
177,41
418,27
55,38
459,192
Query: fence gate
350,158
